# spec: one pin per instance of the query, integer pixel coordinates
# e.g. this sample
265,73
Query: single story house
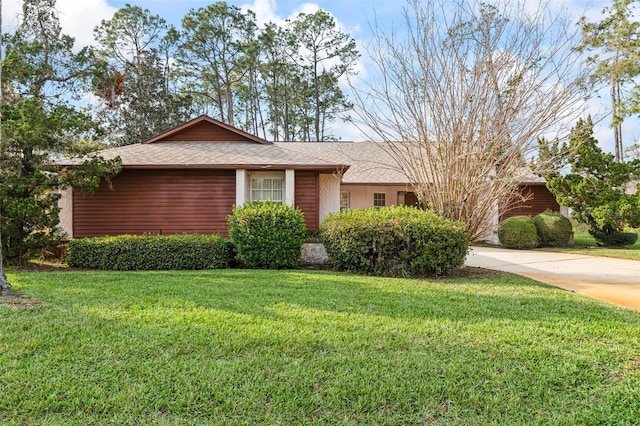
189,178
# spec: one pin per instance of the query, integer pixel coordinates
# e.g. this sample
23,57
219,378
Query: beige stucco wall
361,196
329,194
66,212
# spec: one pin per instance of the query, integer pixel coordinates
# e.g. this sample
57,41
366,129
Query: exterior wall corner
289,187
329,194
65,203
241,187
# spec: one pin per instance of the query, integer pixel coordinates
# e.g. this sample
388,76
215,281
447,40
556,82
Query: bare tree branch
463,92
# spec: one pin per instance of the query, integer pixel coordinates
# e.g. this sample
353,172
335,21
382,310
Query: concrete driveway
614,280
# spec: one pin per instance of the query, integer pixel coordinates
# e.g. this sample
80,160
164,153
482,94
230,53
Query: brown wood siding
206,132
154,201
540,199
307,197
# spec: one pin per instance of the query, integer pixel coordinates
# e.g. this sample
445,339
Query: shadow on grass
248,292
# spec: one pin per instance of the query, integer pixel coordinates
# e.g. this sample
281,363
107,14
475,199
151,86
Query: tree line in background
280,82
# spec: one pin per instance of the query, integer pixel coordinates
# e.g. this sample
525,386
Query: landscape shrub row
151,252
394,241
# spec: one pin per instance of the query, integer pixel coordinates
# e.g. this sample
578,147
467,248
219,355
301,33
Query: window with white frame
379,199
267,187
344,200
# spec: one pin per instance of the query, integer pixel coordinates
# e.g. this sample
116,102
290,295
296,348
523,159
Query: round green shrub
394,241
267,235
518,232
554,230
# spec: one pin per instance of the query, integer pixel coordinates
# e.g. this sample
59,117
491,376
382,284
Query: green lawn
586,244
300,347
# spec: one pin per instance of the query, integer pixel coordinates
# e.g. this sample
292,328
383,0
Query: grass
586,244
301,347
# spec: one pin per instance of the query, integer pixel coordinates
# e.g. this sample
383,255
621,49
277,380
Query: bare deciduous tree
463,91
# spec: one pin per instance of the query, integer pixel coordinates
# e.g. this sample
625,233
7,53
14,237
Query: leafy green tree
281,80
595,187
278,74
136,85
39,124
326,55
615,44
215,47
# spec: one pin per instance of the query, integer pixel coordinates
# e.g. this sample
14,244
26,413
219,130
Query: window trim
347,205
379,197
280,176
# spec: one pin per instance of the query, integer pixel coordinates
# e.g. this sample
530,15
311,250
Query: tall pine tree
40,123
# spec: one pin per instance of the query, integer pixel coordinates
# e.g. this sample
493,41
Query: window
402,198
267,189
379,199
344,200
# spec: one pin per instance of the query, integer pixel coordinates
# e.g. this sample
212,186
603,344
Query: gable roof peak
204,120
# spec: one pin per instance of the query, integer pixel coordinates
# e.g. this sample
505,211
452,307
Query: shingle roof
370,162
361,162
211,155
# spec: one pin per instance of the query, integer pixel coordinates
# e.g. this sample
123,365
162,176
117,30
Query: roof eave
331,168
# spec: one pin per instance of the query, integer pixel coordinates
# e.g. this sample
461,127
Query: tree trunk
316,95
4,284
617,117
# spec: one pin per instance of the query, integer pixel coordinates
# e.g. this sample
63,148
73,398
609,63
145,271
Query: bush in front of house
267,235
554,230
615,239
151,252
394,241
518,232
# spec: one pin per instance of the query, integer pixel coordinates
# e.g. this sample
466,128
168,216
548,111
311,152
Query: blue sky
79,17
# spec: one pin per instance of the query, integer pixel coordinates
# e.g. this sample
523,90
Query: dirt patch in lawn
471,272
16,300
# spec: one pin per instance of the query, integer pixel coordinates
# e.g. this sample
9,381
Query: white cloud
10,11
265,11
78,18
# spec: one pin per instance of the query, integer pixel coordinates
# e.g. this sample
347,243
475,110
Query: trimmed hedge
518,232
394,241
554,230
616,239
267,235
151,252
